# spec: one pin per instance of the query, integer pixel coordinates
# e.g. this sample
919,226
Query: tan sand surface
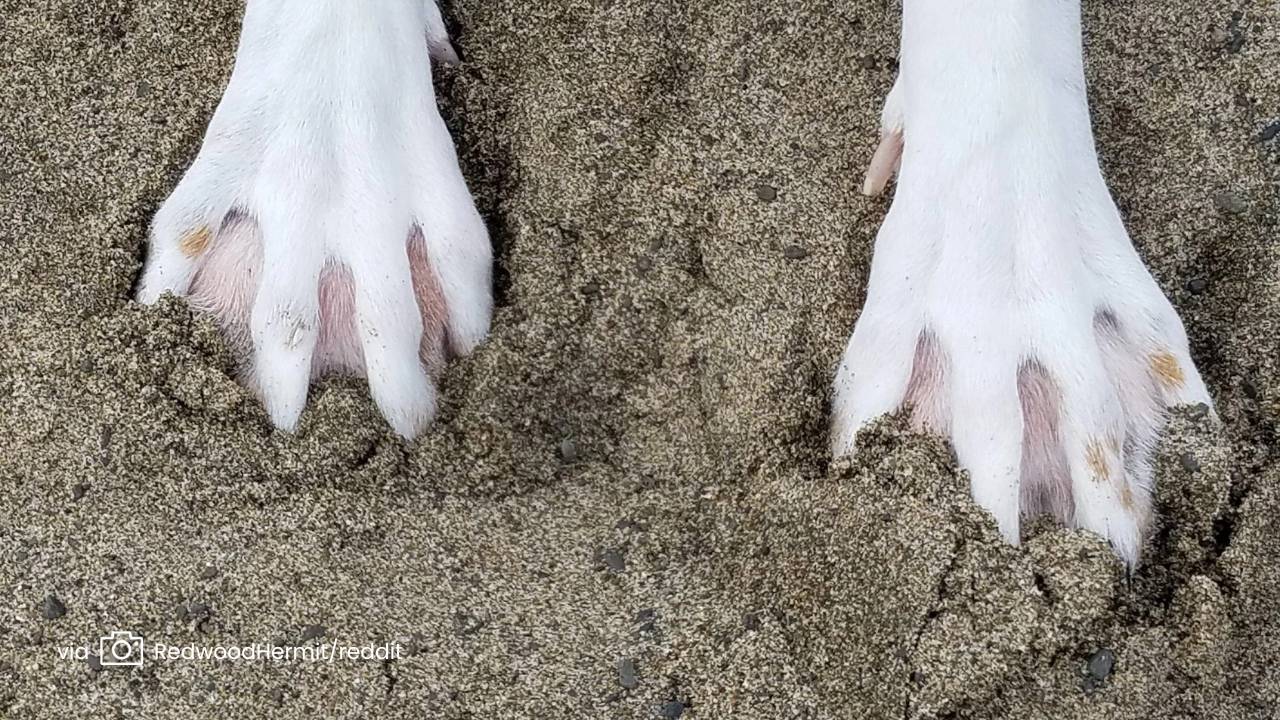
627,509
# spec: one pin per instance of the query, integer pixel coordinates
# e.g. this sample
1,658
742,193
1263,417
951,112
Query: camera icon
120,648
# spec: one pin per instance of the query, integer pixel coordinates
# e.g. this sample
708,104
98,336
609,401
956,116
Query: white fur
329,137
1003,243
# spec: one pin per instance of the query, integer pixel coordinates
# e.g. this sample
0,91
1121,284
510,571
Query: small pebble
1197,286
1236,43
1101,664
311,632
277,696
614,560
795,252
671,710
466,625
1270,132
209,573
646,620
79,491
627,674
1230,203
630,526
751,621
52,608
767,193
1199,411
568,450
105,435
95,663
1189,462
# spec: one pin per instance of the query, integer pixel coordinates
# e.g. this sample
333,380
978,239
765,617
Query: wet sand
627,509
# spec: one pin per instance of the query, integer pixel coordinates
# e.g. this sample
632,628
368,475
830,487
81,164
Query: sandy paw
1008,311
325,221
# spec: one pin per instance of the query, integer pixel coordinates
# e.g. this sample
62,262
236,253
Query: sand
627,509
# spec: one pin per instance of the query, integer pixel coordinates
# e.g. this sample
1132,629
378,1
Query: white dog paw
325,221
1007,308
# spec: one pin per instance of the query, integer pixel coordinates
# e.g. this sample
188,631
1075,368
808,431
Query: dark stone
1270,132
95,663
646,620
465,624
627,674
52,608
1235,43
751,621
311,632
79,491
671,710
1189,462
1197,286
1230,203
767,193
794,252
568,450
209,573
630,526
1101,664
614,561
105,434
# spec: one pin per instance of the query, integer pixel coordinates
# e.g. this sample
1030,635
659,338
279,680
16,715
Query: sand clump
627,508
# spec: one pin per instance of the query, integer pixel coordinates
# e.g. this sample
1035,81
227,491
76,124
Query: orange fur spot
1167,371
1126,497
1096,458
195,242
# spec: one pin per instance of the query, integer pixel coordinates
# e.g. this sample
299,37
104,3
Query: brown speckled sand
627,509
